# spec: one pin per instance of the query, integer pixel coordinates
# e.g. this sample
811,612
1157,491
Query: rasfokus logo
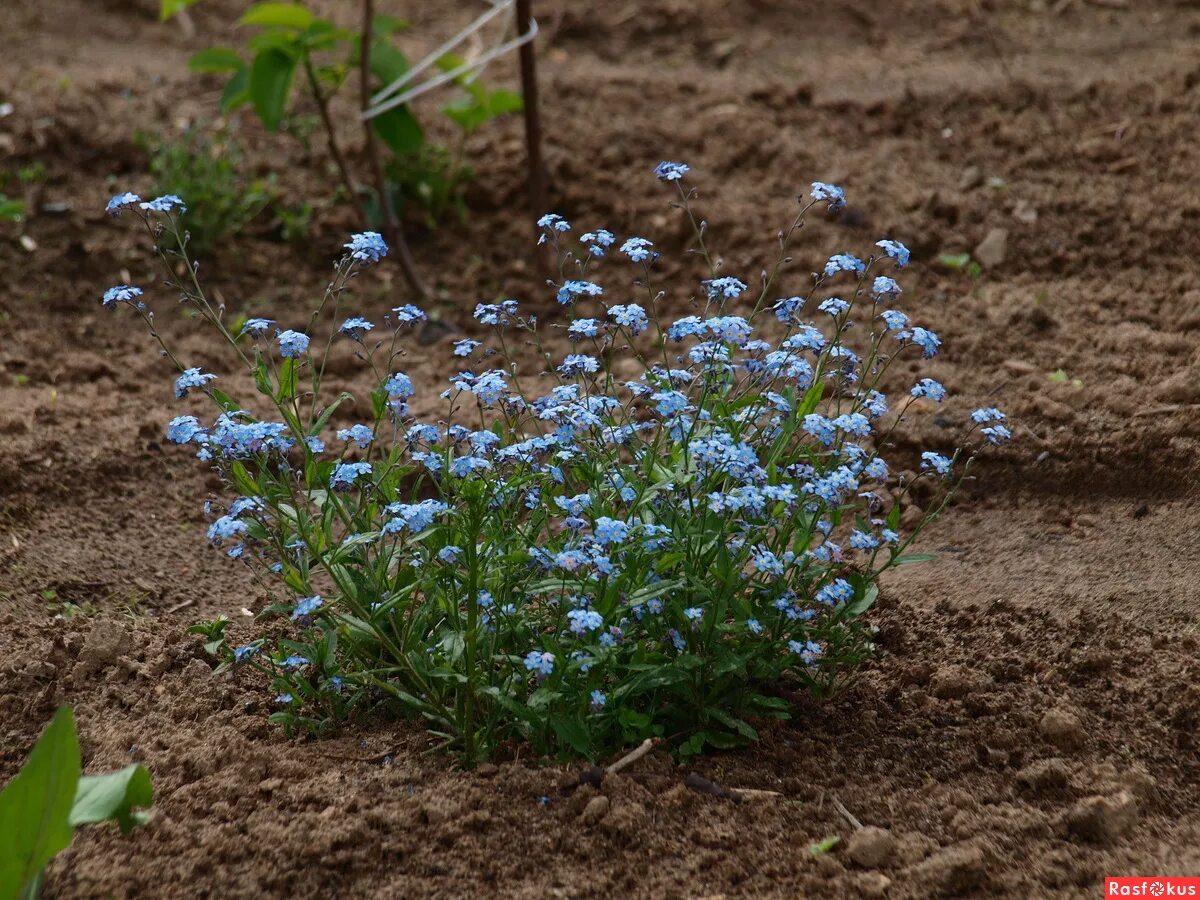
1152,886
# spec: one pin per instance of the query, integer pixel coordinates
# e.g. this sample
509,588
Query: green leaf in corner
215,59
35,807
278,15
824,846
169,8
101,798
270,84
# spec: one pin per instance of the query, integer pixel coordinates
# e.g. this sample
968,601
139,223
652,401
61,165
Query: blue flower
986,414
584,620
577,363
598,701
727,287
689,326
574,288
315,444
553,222
996,434
754,626
582,328
894,320
355,327
834,306
256,327
183,428
837,591
346,474
409,314
399,386
926,340
861,540
929,388
121,293
638,249
886,287
164,204
693,613
936,462
630,316
295,661
191,378
292,343
610,531
121,202
670,403
733,329
896,251
367,246
844,262
307,607
540,662
598,241
241,654
362,435
671,171
224,528
832,195
449,554
465,347
284,699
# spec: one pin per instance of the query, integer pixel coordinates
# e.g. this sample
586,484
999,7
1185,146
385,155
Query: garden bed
1029,724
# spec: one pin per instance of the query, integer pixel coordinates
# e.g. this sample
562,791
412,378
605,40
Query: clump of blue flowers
563,555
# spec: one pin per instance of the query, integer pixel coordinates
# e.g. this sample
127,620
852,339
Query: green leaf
824,846
11,210
865,602
35,807
216,59
169,8
101,798
574,733
400,130
270,83
237,90
278,15
909,559
287,380
387,62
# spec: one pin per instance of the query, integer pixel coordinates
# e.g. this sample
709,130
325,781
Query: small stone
1062,728
1018,367
971,178
270,785
596,810
105,642
1182,387
874,884
871,847
992,250
952,683
1025,212
958,869
1103,820
1045,776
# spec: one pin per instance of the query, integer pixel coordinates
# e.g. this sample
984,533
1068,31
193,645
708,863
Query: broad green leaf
237,90
278,15
865,602
11,210
216,59
387,62
100,798
270,83
35,807
287,380
400,130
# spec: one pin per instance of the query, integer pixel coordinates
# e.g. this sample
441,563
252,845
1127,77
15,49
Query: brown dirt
1046,659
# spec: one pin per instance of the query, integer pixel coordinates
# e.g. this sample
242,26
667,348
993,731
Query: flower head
164,204
895,250
121,293
191,378
831,195
121,202
354,328
367,247
671,171
292,343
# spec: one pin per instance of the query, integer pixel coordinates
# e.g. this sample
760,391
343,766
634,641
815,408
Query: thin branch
392,226
533,121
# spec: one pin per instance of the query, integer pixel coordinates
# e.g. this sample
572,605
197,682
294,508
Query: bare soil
1030,723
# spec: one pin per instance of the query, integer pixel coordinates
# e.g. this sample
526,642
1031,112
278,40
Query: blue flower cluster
682,510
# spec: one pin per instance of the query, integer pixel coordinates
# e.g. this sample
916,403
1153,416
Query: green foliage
41,807
11,210
290,44
214,635
206,169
